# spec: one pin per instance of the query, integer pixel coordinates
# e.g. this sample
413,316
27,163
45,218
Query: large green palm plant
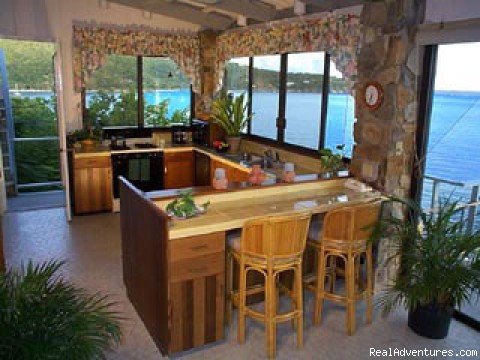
43,316
440,262
231,114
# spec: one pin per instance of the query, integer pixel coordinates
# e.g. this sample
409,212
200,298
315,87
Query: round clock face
373,95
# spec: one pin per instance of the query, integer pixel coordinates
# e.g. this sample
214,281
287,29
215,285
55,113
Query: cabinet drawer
198,267
200,245
93,162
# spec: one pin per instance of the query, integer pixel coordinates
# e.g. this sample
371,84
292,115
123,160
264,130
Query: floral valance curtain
337,34
91,45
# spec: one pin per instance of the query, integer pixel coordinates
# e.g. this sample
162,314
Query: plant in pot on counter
43,316
184,206
88,137
331,161
230,113
439,265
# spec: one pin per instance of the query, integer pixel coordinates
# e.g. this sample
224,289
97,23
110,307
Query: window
297,99
166,93
304,99
236,78
113,93
340,113
111,97
265,95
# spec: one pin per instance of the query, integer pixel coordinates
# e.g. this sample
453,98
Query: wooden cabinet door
197,291
179,170
93,185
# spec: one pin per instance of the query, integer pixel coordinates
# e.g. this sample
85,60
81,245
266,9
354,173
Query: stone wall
384,151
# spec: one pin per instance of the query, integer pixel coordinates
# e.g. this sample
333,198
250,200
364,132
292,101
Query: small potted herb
88,138
184,206
331,162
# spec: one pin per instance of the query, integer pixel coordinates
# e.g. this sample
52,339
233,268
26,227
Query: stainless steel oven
143,169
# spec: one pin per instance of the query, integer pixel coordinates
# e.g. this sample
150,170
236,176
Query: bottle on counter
257,175
288,175
220,181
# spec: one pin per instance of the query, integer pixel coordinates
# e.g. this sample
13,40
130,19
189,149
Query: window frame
281,121
140,129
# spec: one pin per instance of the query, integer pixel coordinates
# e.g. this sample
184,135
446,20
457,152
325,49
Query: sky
458,67
297,63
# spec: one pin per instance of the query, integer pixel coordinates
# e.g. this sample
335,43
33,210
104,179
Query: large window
166,93
265,90
113,92
297,99
304,99
340,113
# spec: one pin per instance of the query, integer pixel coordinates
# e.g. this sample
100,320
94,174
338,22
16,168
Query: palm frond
42,316
440,264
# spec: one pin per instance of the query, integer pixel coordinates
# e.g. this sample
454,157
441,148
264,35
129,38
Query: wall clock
373,95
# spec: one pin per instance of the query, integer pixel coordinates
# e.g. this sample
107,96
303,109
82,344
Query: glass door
451,160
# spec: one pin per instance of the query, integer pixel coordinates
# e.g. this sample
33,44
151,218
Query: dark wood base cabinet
176,286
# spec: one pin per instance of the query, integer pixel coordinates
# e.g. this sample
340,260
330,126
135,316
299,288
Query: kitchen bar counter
230,210
174,270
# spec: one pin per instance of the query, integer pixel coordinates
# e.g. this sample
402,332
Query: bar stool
269,245
345,235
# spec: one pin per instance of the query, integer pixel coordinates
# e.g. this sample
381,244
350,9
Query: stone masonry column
384,151
203,100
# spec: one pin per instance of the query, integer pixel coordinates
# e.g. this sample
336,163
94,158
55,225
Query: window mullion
140,113
325,92
282,88
250,94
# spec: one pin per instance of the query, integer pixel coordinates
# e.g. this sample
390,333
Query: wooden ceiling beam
250,9
181,12
316,6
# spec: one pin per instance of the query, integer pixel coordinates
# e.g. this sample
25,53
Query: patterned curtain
337,34
92,44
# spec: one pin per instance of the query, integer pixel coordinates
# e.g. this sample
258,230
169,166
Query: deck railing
466,193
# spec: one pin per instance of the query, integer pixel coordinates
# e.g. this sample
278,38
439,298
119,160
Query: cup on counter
220,181
288,175
161,143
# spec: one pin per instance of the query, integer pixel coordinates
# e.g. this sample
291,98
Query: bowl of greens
184,206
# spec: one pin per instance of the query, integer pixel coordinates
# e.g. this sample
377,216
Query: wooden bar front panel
197,290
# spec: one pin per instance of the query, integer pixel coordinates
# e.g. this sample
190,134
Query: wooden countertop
230,210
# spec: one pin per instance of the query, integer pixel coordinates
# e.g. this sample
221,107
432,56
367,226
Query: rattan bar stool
269,245
345,235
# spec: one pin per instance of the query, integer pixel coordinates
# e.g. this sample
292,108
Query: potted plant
331,162
42,316
230,113
439,266
88,138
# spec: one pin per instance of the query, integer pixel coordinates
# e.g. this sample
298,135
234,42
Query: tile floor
91,247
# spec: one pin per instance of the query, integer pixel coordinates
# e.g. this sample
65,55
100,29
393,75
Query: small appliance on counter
200,132
179,134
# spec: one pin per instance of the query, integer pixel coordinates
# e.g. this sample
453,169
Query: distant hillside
267,80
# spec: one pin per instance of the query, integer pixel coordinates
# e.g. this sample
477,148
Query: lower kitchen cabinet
197,288
179,169
92,184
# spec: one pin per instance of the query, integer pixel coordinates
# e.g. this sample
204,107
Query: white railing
468,207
